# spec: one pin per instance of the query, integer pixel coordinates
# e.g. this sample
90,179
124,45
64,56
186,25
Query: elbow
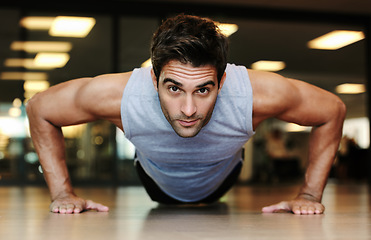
342,109
339,111
31,106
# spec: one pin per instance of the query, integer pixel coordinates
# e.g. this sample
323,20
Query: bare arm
74,102
298,102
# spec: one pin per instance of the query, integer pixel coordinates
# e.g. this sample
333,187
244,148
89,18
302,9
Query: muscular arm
298,102
74,102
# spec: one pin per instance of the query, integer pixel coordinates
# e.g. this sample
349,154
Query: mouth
188,123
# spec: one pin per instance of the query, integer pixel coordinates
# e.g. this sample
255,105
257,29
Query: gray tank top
188,169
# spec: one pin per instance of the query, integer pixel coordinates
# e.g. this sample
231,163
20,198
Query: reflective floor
24,215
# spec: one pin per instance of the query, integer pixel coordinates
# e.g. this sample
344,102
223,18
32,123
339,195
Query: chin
187,134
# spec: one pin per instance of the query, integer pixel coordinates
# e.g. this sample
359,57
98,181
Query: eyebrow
166,80
205,84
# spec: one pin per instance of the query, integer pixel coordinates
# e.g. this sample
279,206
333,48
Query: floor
24,215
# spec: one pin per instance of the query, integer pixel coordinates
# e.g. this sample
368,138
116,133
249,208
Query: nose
188,107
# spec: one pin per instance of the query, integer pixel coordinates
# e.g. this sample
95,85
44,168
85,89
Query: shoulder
105,84
104,91
273,94
272,86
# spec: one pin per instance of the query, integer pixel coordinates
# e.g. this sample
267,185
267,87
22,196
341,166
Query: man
188,116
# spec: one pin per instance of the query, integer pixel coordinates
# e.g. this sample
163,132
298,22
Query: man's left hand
299,205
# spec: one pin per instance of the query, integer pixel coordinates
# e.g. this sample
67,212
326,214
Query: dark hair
189,39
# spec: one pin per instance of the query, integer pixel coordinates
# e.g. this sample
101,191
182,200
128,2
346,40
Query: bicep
61,104
313,106
290,100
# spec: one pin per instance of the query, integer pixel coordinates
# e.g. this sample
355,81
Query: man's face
187,96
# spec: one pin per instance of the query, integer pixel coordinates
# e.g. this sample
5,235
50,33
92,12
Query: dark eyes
203,90
175,89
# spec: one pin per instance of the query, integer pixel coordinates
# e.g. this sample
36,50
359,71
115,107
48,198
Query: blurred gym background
43,44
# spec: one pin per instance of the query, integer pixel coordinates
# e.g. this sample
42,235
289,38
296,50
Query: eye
203,90
173,89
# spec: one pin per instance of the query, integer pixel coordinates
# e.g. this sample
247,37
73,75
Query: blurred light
27,76
12,127
125,149
15,112
28,63
41,46
147,63
37,23
52,60
292,127
17,103
71,26
350,88
4,141
31,157
18,62
35,86
98,140
74,131
359,129
80,154
227,29
336,39
272,66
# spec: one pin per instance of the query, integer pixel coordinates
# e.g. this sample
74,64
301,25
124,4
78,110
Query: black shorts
157,195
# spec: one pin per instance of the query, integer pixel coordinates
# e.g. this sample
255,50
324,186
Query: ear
222,82
154,79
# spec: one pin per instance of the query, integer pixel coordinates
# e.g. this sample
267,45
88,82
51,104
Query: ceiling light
350,88
227,29
336,39
28,63
272,66
71,26
27,76
18,62
35,86
52,60
41,46
37,23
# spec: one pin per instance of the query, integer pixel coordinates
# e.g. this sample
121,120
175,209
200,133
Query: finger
96,206
296,209
276,207
304,210
70,208
319,209
63,209
78,208
54,208
311,210
307,210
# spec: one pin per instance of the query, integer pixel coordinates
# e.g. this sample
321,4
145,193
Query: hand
299,205
73,204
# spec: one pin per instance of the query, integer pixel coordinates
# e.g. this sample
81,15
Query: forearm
49,144
323,146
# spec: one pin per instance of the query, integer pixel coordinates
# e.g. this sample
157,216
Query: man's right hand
73,204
